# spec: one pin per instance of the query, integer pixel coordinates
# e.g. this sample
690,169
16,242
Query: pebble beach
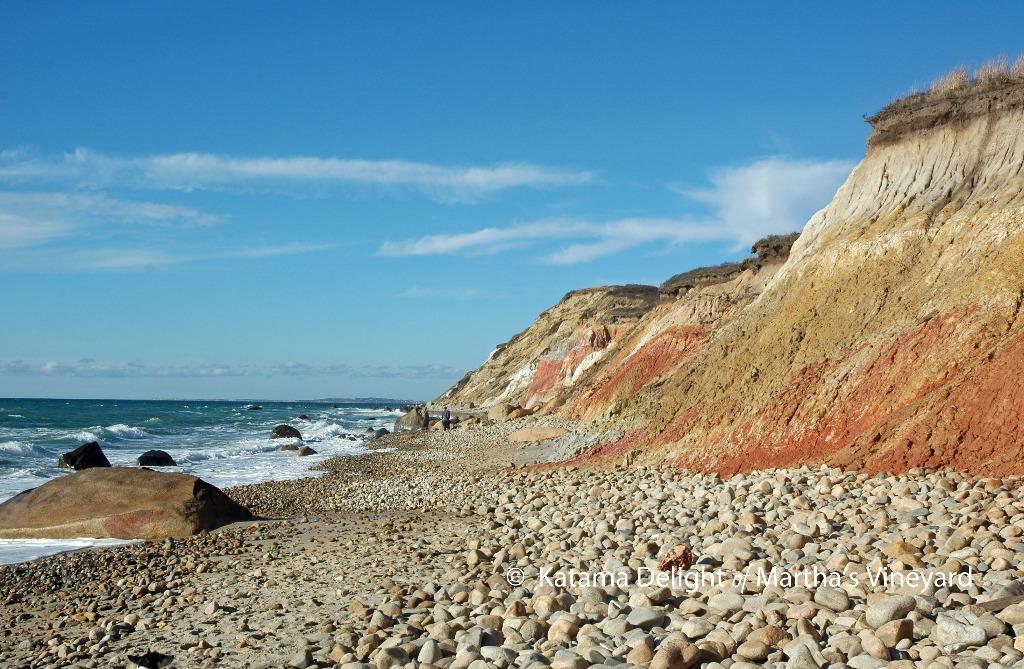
457,550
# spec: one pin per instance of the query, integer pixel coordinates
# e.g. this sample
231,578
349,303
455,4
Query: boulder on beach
118,503
506,412
411,420
156,458
304,451
85,456
285,432
532,434
380,432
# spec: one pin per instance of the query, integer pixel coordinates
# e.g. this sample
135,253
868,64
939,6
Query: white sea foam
99,433
17,448
23,550
125,431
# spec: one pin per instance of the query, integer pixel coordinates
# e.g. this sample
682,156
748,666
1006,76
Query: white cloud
30,218
603,238
131,258
769,196
56,231
195,171
436,293
90,368
745,203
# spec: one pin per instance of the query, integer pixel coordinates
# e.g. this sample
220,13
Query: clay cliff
890,337
599,345
552,354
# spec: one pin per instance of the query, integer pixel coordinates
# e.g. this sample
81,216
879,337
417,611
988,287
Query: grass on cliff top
958,82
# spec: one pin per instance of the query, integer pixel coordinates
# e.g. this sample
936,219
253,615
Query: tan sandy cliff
889,338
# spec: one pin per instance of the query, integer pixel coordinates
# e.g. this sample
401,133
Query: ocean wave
14,415
18,448
122,431
236,449
83,436
117,431
322,430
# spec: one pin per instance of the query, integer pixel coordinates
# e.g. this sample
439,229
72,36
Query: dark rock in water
369,430
285,432
119,503
305,450
289,447
254,407
85,456
303,417
156,458
380,432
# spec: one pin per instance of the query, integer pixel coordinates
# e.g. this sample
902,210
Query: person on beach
446,418
426,418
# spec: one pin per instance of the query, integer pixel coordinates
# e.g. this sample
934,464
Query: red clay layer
667,351
944,393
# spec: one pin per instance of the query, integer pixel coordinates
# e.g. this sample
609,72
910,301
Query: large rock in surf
85,456
285,432
156,458
120,503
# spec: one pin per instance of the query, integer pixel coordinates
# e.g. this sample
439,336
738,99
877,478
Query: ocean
223,442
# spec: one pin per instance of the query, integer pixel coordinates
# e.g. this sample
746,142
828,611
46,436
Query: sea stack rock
85,456
285,432
157,458
119,503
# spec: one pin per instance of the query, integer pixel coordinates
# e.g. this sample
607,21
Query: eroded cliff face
694,306
891,338
597,347
553,353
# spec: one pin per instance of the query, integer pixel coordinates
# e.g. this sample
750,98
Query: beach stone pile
424,554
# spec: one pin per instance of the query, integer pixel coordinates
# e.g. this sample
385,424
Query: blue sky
294,201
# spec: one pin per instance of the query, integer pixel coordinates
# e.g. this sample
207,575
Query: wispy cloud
744,203
55,231
85,168
132,258
29,218
439,293
609,236
89,368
